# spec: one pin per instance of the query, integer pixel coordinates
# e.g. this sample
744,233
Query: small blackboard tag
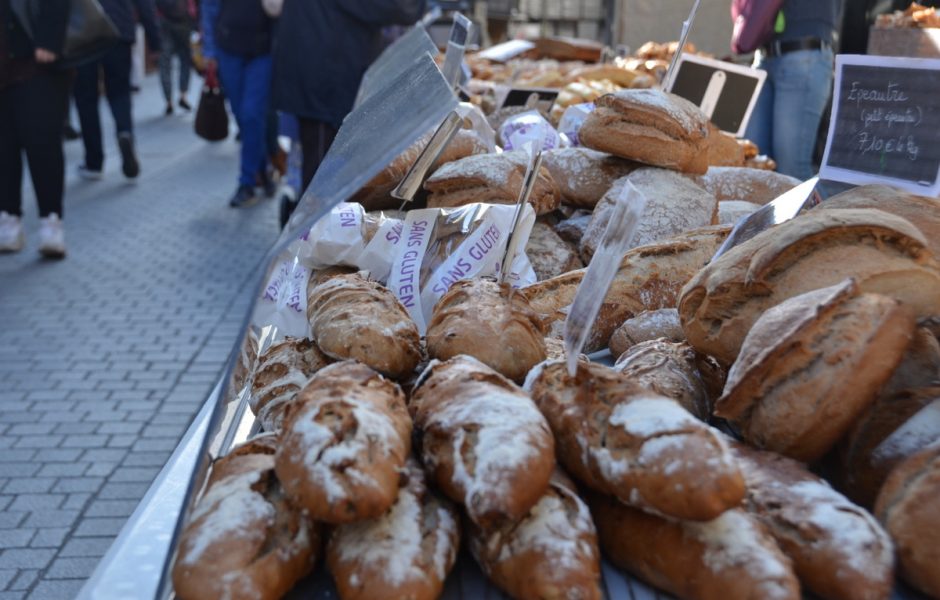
885,125
520,96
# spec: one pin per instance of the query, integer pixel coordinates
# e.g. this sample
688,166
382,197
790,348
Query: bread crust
758,186
583,175
283,370
648,325
550,255
668,369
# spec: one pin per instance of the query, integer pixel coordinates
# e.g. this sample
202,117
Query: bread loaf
732,211
405,553
729,558
838,550
244,366
620,439
352,317
343,443
668,369
909,508
549,254
492,323
551,553
649,278
584,175
757,186
283,370
723,149
649,126
885,255
572,229
811,366
483,441
244,539
674,205
648,325
494,178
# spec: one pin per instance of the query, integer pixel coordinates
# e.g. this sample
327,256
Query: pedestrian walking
236,38
177,20
33,93
115,65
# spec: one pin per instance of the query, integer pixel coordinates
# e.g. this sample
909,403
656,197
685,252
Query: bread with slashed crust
283,370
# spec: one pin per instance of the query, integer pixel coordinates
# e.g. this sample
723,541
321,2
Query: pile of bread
771,422
915,15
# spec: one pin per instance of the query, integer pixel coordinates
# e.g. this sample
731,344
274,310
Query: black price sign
885,126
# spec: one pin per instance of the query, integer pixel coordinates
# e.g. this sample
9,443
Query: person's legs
117,83
256,88
315,139
760,127
803,80
166,62
86,103
183,51
11,170
39,113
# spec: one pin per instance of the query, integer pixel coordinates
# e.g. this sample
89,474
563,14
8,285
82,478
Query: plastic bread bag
526,127
283,302
475,120
441,246
572,120
341,237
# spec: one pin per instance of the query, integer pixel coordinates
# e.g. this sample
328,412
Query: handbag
211,116
753,23
89,35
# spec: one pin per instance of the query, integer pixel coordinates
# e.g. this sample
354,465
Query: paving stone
16,538
12,456
71,485
39,441
50,537
52,589
86,547
63,470
6,576
76,428
24,580
51,518
11,520
123,491
99,526
110,508
71,568
25,558
32,485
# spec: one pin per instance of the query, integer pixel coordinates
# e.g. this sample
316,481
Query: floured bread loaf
732,211
244,539
584,175
649,278
377,193
490,322
757,186
810,367
549,254
668,369
723,149
674,205
648,325
621,439
405,553
352,317
550,553
483,441
883,253
838,550
343,442
283,370
909,508
729,558
494,178
649,126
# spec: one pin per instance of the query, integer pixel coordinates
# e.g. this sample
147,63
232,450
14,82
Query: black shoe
185,105
70,133
244,196
268,184
131,167
169,109
286,209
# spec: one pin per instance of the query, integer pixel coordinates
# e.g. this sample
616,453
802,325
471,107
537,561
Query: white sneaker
51,237
12,238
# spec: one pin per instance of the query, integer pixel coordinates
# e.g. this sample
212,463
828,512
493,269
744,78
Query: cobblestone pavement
106,356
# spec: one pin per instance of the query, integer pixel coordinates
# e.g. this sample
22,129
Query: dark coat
323,47
122,13
50,28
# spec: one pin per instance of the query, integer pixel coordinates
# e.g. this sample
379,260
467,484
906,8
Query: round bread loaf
723,149
584,175
732,211
757,186
549,254
646,326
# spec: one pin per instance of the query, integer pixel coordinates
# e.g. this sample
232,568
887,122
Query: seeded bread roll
549,254
674,205
838,550
757,186
283,370
342,444
649,278
483,441
883,253
788,393
584,175
352,317
648,325
405,553
668,369
729,558
618,438
244,538
649,126
495,178
551,553
490,322
909,508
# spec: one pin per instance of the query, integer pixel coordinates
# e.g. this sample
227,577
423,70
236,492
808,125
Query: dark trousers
315,140
116,66
31,114
174,41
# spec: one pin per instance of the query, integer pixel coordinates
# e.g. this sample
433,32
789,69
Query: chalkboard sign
725,92
519,97
885,126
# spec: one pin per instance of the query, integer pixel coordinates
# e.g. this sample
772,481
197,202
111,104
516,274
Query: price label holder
683,38
409,186
522,96
885,125
600,273
396,59
456,46
726,92
531,176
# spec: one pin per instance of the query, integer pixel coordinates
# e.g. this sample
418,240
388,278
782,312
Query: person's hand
44,57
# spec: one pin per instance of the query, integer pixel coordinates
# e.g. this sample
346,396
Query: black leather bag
90,31
211,116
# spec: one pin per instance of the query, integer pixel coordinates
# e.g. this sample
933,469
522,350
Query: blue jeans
787,114
116,66
247,85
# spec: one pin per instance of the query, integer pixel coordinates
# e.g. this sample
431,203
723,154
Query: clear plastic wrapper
527,127
572,120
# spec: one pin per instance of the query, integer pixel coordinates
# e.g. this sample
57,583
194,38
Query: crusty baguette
618,438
